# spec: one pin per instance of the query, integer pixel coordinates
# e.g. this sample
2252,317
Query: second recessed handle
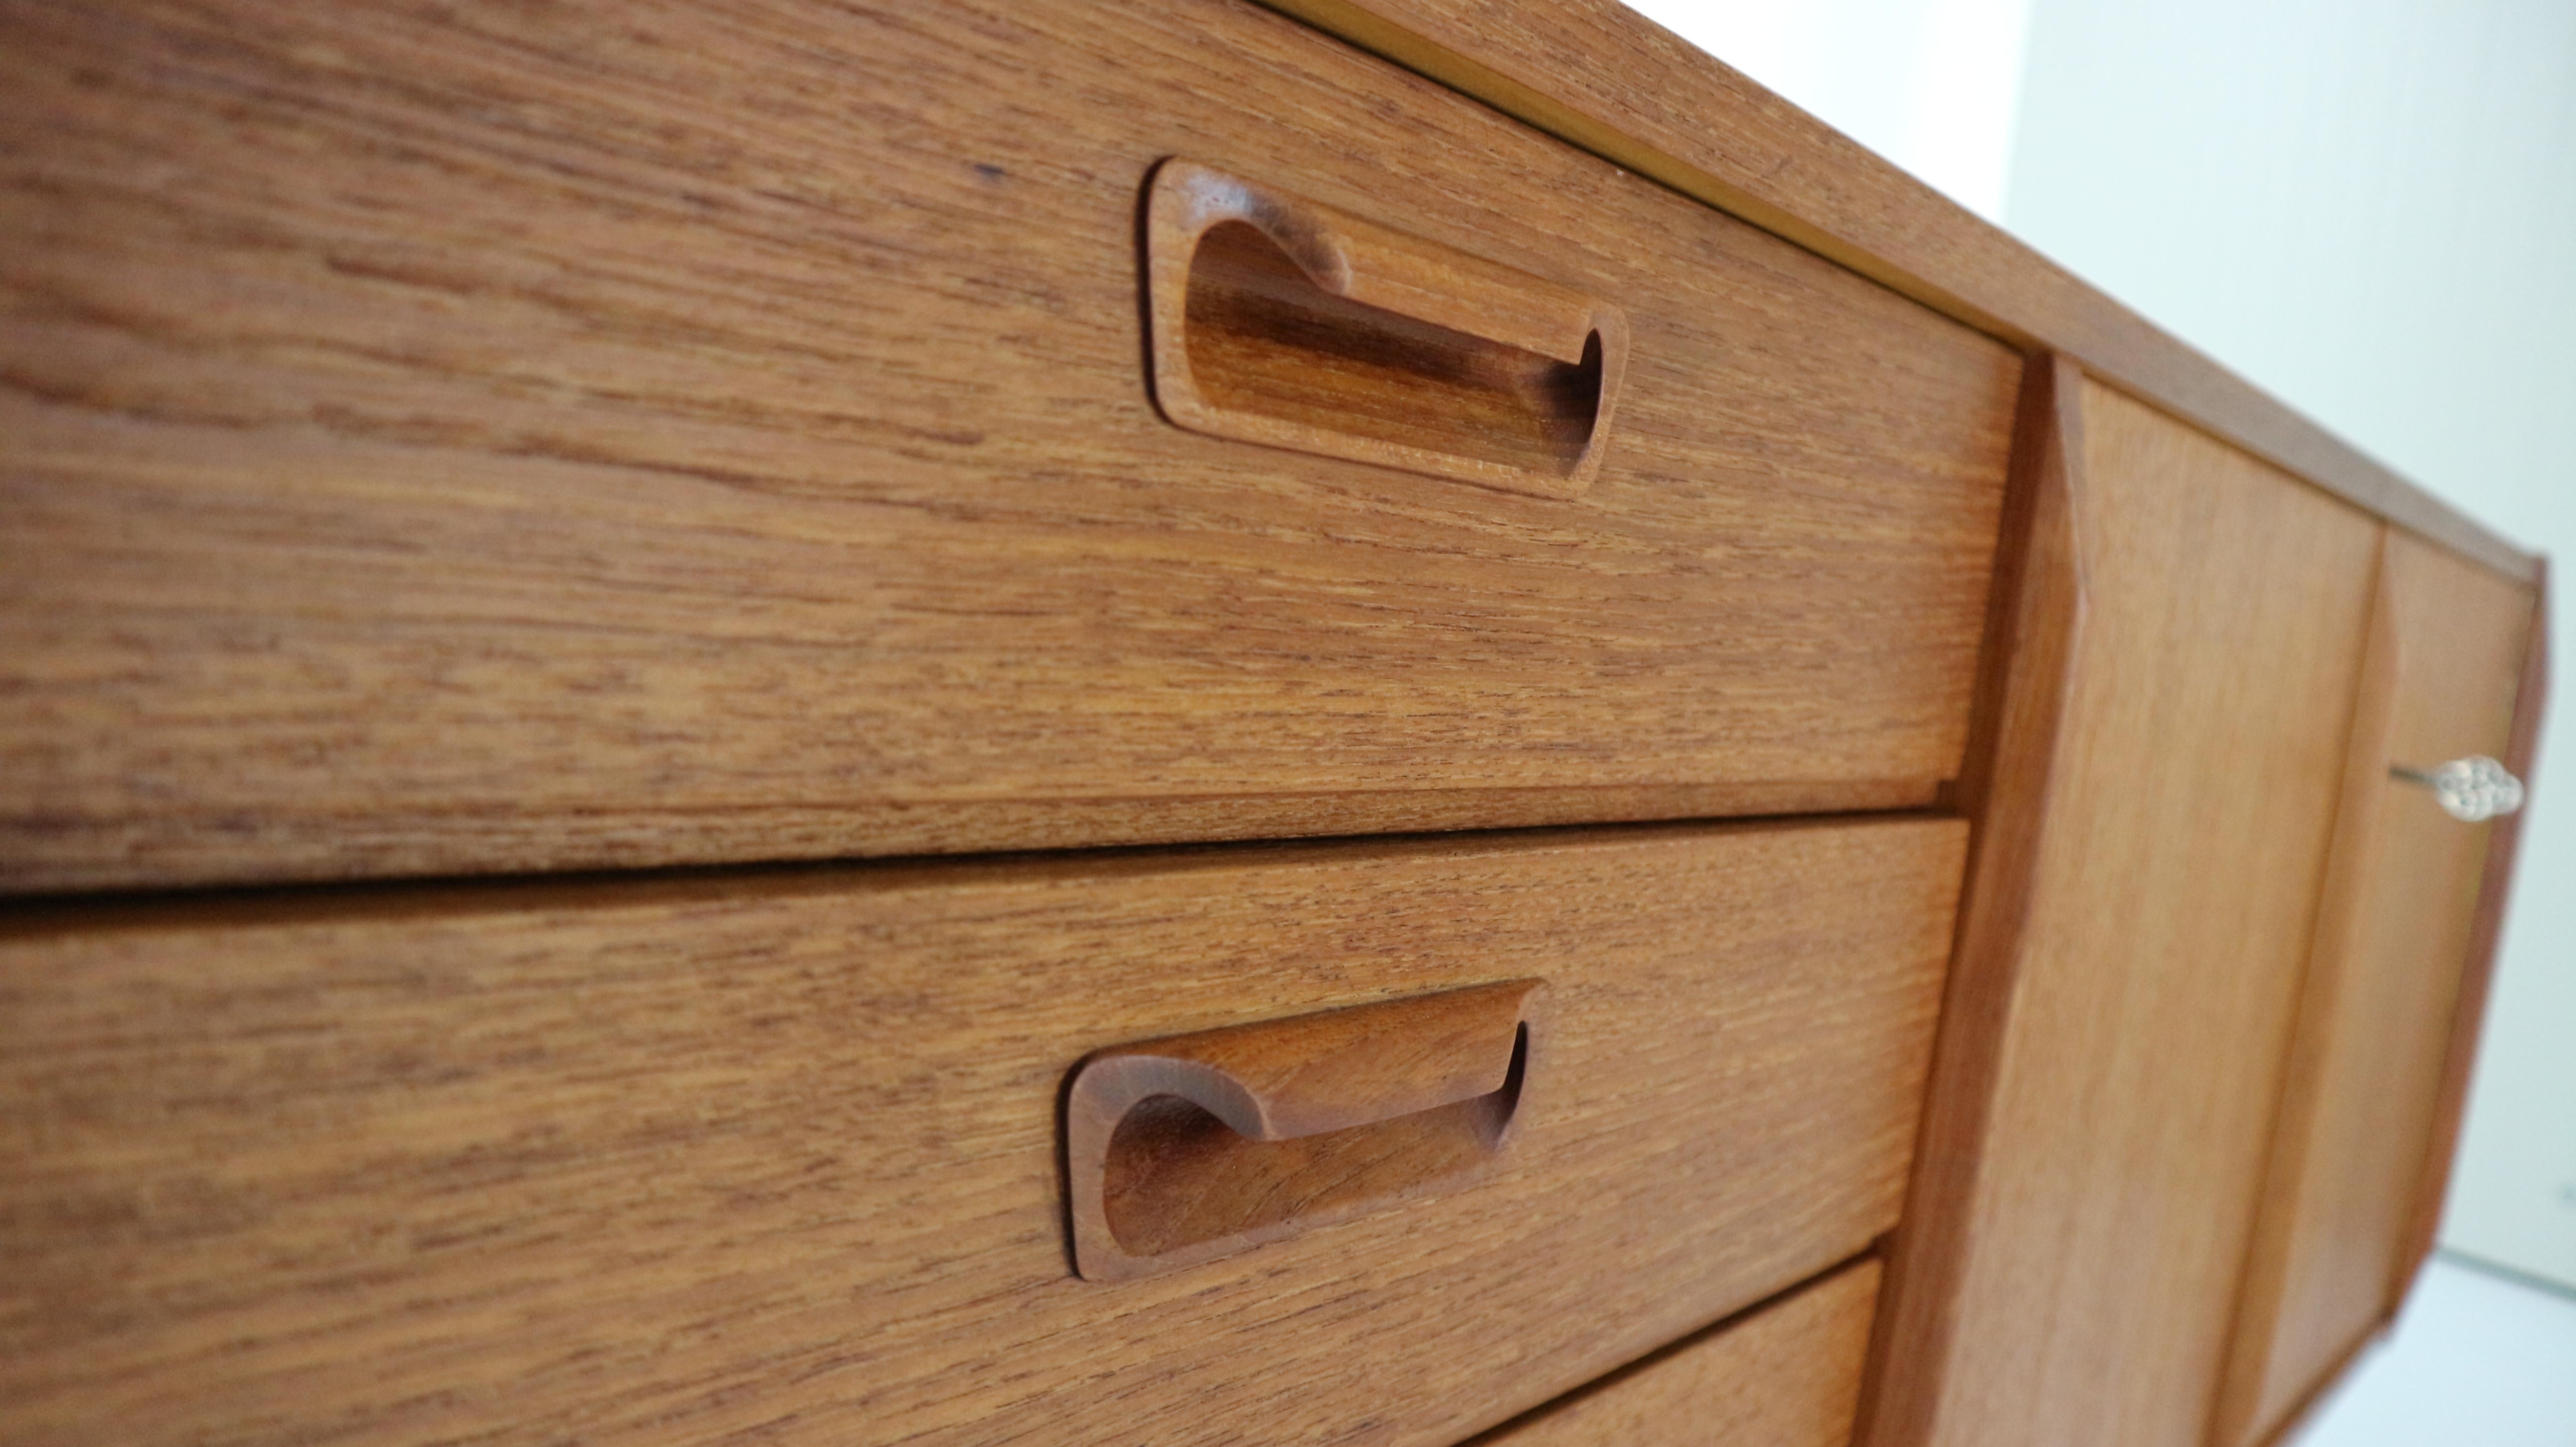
1284,321
1197,1146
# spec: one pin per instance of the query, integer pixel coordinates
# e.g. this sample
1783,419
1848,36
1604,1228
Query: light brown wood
2036,631
1186,1149
611,435
1279,321
1785,1375
1615,83
2332,1243
2504,840
775,1157
2105,1210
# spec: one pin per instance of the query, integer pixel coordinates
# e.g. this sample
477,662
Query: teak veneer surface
775,1158
2182,836
2332,1249
1614,82
453,440
1787,1375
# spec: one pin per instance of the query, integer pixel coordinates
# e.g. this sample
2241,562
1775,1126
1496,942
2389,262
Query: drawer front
1786,1376
616,434
671,1162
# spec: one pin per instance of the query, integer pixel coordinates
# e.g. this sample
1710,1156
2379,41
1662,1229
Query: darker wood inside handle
1176,1175
1263,339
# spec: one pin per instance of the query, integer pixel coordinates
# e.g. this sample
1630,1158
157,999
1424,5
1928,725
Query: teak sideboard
1355,721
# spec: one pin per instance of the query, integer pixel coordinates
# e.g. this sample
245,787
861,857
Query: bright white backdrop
1930,84
2369,208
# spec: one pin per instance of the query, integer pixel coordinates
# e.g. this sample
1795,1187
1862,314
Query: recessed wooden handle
1282,321
1189,1148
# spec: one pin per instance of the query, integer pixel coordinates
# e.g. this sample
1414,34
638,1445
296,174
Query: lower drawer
781,1157
1787,1376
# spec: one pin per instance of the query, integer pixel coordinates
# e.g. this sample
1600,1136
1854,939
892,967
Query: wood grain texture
598,435
2333,1240
2036,630
758,1158
2495,888
2140,1052
1785,1375
1608,79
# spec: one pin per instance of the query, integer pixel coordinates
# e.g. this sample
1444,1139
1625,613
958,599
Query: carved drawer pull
1185,1149
1282,321
2472,789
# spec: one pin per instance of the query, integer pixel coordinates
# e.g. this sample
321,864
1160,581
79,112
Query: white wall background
1929,84
2369,208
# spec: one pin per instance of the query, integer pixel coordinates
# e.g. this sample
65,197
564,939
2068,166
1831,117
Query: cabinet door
2335,1240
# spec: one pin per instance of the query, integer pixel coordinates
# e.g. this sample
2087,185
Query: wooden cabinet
450,456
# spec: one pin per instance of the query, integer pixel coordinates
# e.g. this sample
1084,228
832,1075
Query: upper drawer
731,1158
448,439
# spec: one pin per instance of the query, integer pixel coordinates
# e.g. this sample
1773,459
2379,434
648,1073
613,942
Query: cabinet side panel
2185,838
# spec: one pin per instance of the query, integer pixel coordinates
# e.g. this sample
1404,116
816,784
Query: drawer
1788,1375
588,435
708,1158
